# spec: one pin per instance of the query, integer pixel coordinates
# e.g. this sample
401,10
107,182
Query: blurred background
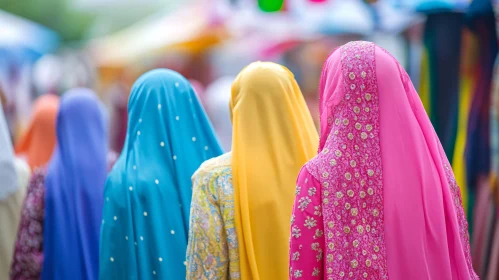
448,47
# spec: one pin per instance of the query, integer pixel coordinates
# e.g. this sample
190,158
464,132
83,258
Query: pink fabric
390,206
307,226
27,262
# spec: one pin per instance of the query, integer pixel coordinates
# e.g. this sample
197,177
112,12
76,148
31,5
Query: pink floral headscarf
390,205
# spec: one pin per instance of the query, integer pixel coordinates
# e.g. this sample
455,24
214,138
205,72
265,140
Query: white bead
126,237
154,272
177,118
156,181
172,232
130,188
193,139
112,259
162,144
140,120
142,238
145,214
176,84
185,263
134,167
115,218
160,259
174,157
159,106
138,132
206,148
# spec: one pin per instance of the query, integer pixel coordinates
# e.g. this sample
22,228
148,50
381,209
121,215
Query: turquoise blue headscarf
148,192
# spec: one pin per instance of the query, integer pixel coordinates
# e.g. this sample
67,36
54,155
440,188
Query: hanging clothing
482,22
38,142
379,201
493,265
14,174
148,192
59,233
465,85
245,197
442,39
217,99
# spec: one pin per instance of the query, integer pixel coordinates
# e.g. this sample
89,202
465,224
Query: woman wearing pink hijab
379,201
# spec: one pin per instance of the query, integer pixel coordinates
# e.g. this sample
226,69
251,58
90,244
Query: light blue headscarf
148,192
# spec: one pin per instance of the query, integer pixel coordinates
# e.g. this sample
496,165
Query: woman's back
148,192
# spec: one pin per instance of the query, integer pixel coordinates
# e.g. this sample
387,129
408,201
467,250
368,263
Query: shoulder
215,167
310,171
23,172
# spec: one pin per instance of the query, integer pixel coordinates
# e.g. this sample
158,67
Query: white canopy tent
17,32
151,35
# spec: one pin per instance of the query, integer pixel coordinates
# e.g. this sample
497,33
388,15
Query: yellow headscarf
273,136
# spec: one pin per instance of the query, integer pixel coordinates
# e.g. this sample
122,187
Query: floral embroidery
318,233
298,273
458,205
304,202
307,234
212,216
318,257
312,191
317,210
354,172
296,232
298,189
296,256
310,222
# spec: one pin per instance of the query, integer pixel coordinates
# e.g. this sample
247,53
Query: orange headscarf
38,142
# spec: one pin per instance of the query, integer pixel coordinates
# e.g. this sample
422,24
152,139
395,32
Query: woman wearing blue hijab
148,193
61,216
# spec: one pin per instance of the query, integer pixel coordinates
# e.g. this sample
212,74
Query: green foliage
54,14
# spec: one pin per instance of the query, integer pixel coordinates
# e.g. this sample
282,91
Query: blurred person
14,174
198,89
117,100
148,193
58,236
38,142
242,200
47,74
380,200
217,99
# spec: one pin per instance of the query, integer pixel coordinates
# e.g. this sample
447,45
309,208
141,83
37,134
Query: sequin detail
355,213
461,217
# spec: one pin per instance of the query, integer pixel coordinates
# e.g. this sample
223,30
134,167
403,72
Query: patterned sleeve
207,256
307,230
28,253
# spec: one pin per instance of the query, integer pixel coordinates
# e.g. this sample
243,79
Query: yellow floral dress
212,252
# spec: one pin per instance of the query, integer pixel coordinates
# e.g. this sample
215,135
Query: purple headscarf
74,189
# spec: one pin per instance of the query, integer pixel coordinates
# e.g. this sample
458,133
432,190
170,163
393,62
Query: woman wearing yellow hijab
241,205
